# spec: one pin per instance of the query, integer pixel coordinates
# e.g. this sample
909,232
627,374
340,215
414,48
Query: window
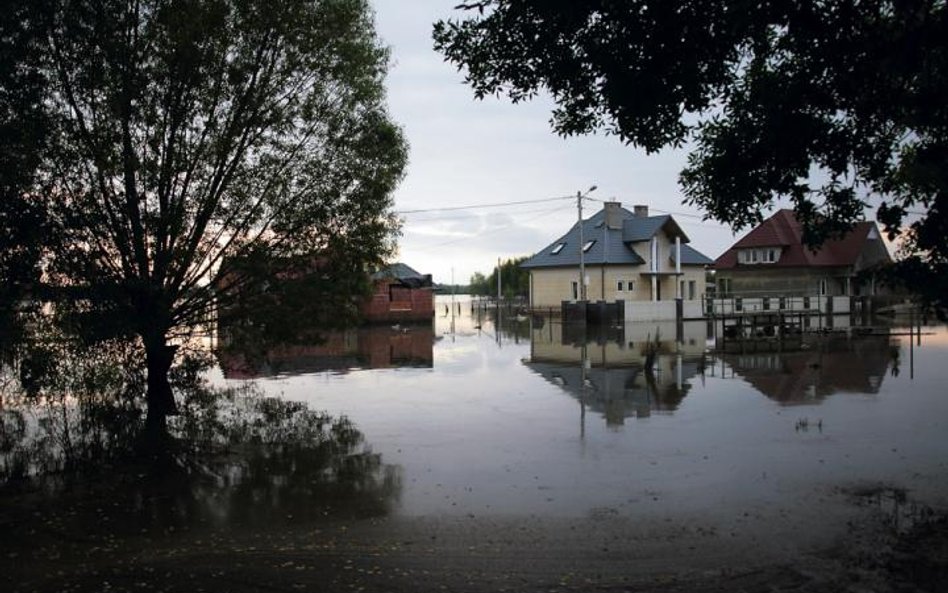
619,286
692,289
559,247
823,287
767,255
575,290
630,286
588,245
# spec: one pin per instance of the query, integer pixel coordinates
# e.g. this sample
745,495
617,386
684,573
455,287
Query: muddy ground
871,538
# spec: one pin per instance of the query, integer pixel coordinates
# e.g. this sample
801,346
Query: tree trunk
158,357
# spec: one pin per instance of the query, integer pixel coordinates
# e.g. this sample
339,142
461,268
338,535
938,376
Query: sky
467,152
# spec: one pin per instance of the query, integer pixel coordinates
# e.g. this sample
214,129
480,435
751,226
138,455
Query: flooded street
534,457
512,424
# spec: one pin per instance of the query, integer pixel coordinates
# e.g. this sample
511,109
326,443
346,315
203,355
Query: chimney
613,215
641,211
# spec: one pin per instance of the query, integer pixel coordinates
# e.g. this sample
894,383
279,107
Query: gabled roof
611,246
404,274
784,231
396,270
692,257
637,229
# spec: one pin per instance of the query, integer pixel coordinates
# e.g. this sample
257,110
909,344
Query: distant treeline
514,281
452,288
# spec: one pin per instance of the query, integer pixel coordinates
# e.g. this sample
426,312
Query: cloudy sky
466,152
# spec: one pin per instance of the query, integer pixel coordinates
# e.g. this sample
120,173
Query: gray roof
642,229
612,246
397,270
692,257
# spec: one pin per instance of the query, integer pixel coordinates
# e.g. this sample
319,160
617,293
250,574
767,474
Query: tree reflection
69,430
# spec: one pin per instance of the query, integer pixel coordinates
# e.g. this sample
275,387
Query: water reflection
268,459
368,347
238,458
829,365
631,370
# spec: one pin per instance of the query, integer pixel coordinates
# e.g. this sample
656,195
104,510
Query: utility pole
499,293
582,241
582,263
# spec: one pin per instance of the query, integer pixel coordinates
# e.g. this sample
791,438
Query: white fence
813,305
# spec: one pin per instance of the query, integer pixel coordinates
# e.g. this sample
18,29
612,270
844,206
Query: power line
497,229
469,217
474,206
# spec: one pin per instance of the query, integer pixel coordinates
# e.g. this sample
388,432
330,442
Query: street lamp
582,262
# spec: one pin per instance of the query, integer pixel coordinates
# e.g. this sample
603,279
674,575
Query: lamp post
582,262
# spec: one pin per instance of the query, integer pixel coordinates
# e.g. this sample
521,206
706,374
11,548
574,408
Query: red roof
783,230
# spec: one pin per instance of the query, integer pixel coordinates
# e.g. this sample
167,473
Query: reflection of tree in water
237,458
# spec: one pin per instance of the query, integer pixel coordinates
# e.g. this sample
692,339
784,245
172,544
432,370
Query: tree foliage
836,105
23,130
183,134
514,281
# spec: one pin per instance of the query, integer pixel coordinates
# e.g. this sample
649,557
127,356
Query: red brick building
400,294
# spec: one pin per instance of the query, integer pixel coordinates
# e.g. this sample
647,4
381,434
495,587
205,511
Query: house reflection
605,367
832,365
367,347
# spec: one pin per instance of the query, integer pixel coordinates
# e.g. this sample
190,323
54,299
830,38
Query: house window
630,286
768,255
692,288
681,289
575,290
559,247
619,286
823,287
588,245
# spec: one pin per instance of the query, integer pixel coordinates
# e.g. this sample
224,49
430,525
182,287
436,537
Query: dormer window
761,255
588,245
559,247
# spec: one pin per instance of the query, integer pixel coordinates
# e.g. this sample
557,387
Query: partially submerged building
399,294
772,261
628,256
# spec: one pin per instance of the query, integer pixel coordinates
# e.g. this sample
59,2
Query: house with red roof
772,260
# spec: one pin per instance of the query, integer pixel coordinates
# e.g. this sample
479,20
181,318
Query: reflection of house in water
605,370
832,365
369,347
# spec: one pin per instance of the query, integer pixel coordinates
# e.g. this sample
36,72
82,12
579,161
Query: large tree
836,105
184,135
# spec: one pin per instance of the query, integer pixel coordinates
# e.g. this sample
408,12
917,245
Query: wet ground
537,458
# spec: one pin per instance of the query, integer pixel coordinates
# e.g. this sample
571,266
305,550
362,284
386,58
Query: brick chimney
613,215
641,211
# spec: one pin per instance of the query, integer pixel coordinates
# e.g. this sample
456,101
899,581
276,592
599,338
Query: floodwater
473,455
541,420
